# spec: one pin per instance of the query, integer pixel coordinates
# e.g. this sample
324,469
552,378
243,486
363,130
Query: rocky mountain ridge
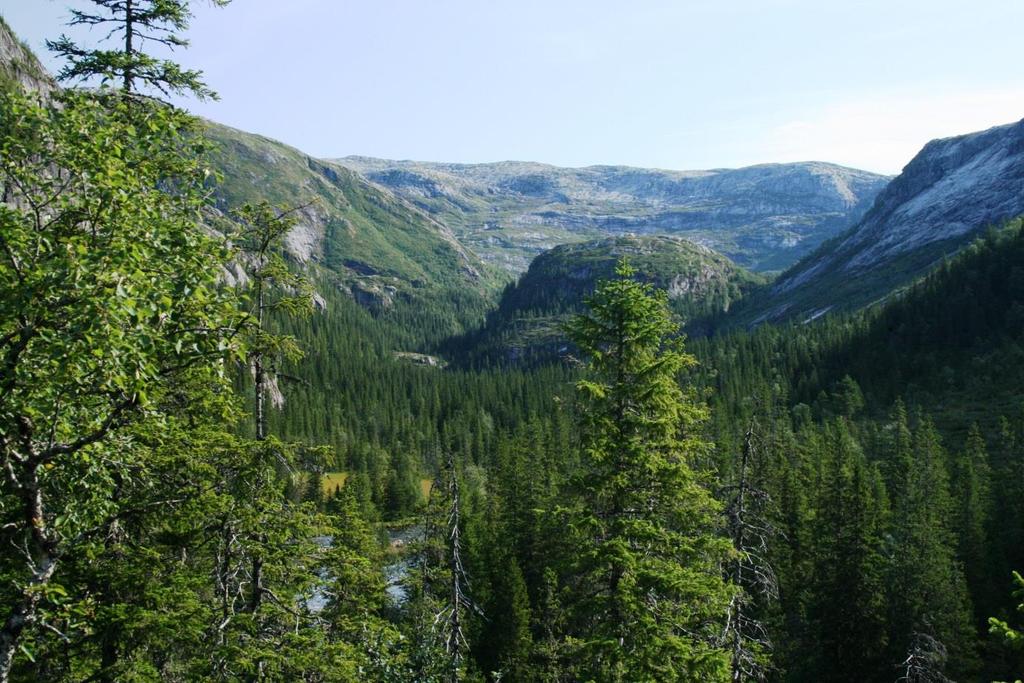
764,217
953,188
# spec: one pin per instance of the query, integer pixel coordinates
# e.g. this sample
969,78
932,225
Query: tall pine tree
647,597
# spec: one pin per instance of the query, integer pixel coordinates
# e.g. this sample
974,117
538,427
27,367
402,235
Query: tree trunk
455,651
739,542
256,598
129,34
259,370
44,561
22,615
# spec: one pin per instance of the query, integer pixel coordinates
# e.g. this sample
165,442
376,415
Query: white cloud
883,132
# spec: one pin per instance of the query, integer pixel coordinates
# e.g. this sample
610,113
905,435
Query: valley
272,417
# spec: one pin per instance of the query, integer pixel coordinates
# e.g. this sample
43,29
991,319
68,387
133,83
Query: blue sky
672,83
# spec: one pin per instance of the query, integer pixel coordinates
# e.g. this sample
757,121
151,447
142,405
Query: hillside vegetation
528,321
385,254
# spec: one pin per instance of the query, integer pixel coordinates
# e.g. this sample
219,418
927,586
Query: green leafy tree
110,293
1013,638
647,594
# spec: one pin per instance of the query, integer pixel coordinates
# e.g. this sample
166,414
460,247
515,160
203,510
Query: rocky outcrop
373,295
19,64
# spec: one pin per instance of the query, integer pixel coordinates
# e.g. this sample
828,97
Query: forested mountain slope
953,188
381,250
763,217
529,318
953,341
921,397
950,343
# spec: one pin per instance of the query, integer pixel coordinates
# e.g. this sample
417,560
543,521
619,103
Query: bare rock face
764,217
952,187
19,64
373,295
301,241
692,284
951,190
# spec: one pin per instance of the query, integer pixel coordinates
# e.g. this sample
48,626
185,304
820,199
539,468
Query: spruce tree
929,595
847,610
136,23
971,488
647,598
272,289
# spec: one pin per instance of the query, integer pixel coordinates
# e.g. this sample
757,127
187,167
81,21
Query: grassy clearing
332,480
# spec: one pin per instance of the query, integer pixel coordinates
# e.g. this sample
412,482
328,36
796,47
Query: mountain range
413,231
763,217
423,235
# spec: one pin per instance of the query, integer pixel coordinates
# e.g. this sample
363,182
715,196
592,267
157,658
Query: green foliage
110,302
136,22
971,491
274,290
1011,637
646,594
154,543
947,346
847,607
109,281
529,320
930,593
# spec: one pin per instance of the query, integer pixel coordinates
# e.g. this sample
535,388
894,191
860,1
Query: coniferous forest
220,464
